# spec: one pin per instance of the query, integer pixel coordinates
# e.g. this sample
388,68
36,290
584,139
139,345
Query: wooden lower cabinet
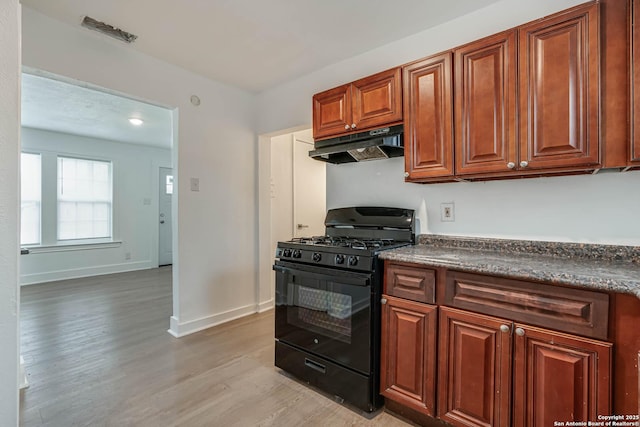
635,82
474,368
559,377
408,357
493,372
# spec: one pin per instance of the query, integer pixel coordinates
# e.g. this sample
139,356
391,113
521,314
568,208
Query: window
30,198
168,188
84,199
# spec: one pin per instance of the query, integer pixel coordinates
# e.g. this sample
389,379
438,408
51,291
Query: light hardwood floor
97,353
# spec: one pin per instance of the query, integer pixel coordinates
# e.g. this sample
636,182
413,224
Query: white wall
214,241
9,202
602,208
135,178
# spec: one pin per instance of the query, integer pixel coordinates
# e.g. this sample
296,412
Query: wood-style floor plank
97,353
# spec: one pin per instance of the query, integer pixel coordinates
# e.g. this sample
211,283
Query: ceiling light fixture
109,30
136,121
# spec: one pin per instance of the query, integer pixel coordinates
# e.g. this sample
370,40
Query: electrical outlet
447,212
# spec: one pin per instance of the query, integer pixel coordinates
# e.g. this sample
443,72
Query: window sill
74,246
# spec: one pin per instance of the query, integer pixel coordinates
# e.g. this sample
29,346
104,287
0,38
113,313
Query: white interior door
309,188
165,253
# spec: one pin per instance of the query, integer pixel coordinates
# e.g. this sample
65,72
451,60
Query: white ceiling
251,44
64,107
258,44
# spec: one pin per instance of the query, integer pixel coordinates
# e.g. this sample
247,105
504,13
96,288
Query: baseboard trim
265,306
24,383
76,273
179,330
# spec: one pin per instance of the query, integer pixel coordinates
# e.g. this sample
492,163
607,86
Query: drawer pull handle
315,366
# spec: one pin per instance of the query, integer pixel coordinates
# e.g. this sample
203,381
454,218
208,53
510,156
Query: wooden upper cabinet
474,369
428,133
377,100
367,103
408,354
635,82
332,112
485,105
559,90
559,377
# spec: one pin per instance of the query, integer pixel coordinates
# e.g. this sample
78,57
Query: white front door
309,188
165,253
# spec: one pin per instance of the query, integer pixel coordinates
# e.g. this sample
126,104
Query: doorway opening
92,208
292,198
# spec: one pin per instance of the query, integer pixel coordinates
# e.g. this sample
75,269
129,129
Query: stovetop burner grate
344,242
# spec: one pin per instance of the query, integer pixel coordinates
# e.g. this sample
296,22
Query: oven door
326,312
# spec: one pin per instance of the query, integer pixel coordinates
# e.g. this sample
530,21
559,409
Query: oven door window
326,312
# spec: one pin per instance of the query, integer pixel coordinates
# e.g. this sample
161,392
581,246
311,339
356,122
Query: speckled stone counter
604,267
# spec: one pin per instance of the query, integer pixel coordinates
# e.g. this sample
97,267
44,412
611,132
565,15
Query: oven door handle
347,277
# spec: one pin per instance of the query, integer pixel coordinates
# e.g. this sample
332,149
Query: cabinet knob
346,127
353,125
406,174
524,164
511,165
383,301
520,332
504,328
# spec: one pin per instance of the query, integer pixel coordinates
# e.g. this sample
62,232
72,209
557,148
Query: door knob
511,165
504,328
519,332
524,164
346,126
383,301
353,125
406,174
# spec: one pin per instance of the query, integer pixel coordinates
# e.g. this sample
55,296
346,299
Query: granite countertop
604,267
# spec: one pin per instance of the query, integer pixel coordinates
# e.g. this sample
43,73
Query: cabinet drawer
576,311
413,283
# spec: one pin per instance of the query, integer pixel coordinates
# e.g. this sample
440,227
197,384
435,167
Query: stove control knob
297,253
316,257
339,259
286,252
353,260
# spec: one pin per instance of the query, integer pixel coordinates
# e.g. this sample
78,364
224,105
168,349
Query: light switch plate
195,184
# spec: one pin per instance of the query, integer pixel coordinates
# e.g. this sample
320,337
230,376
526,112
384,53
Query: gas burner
344,242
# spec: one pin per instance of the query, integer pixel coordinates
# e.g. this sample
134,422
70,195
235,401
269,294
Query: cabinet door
474,369
559,90
377,100
635,82
428,112
408,354
332,112
485,105
559,377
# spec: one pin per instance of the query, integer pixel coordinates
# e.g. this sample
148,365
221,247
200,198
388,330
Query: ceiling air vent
107,29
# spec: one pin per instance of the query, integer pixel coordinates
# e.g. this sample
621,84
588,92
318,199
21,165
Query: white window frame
108,236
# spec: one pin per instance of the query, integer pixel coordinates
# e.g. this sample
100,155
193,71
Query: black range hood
372,145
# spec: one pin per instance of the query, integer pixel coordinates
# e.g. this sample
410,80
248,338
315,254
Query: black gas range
328,291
